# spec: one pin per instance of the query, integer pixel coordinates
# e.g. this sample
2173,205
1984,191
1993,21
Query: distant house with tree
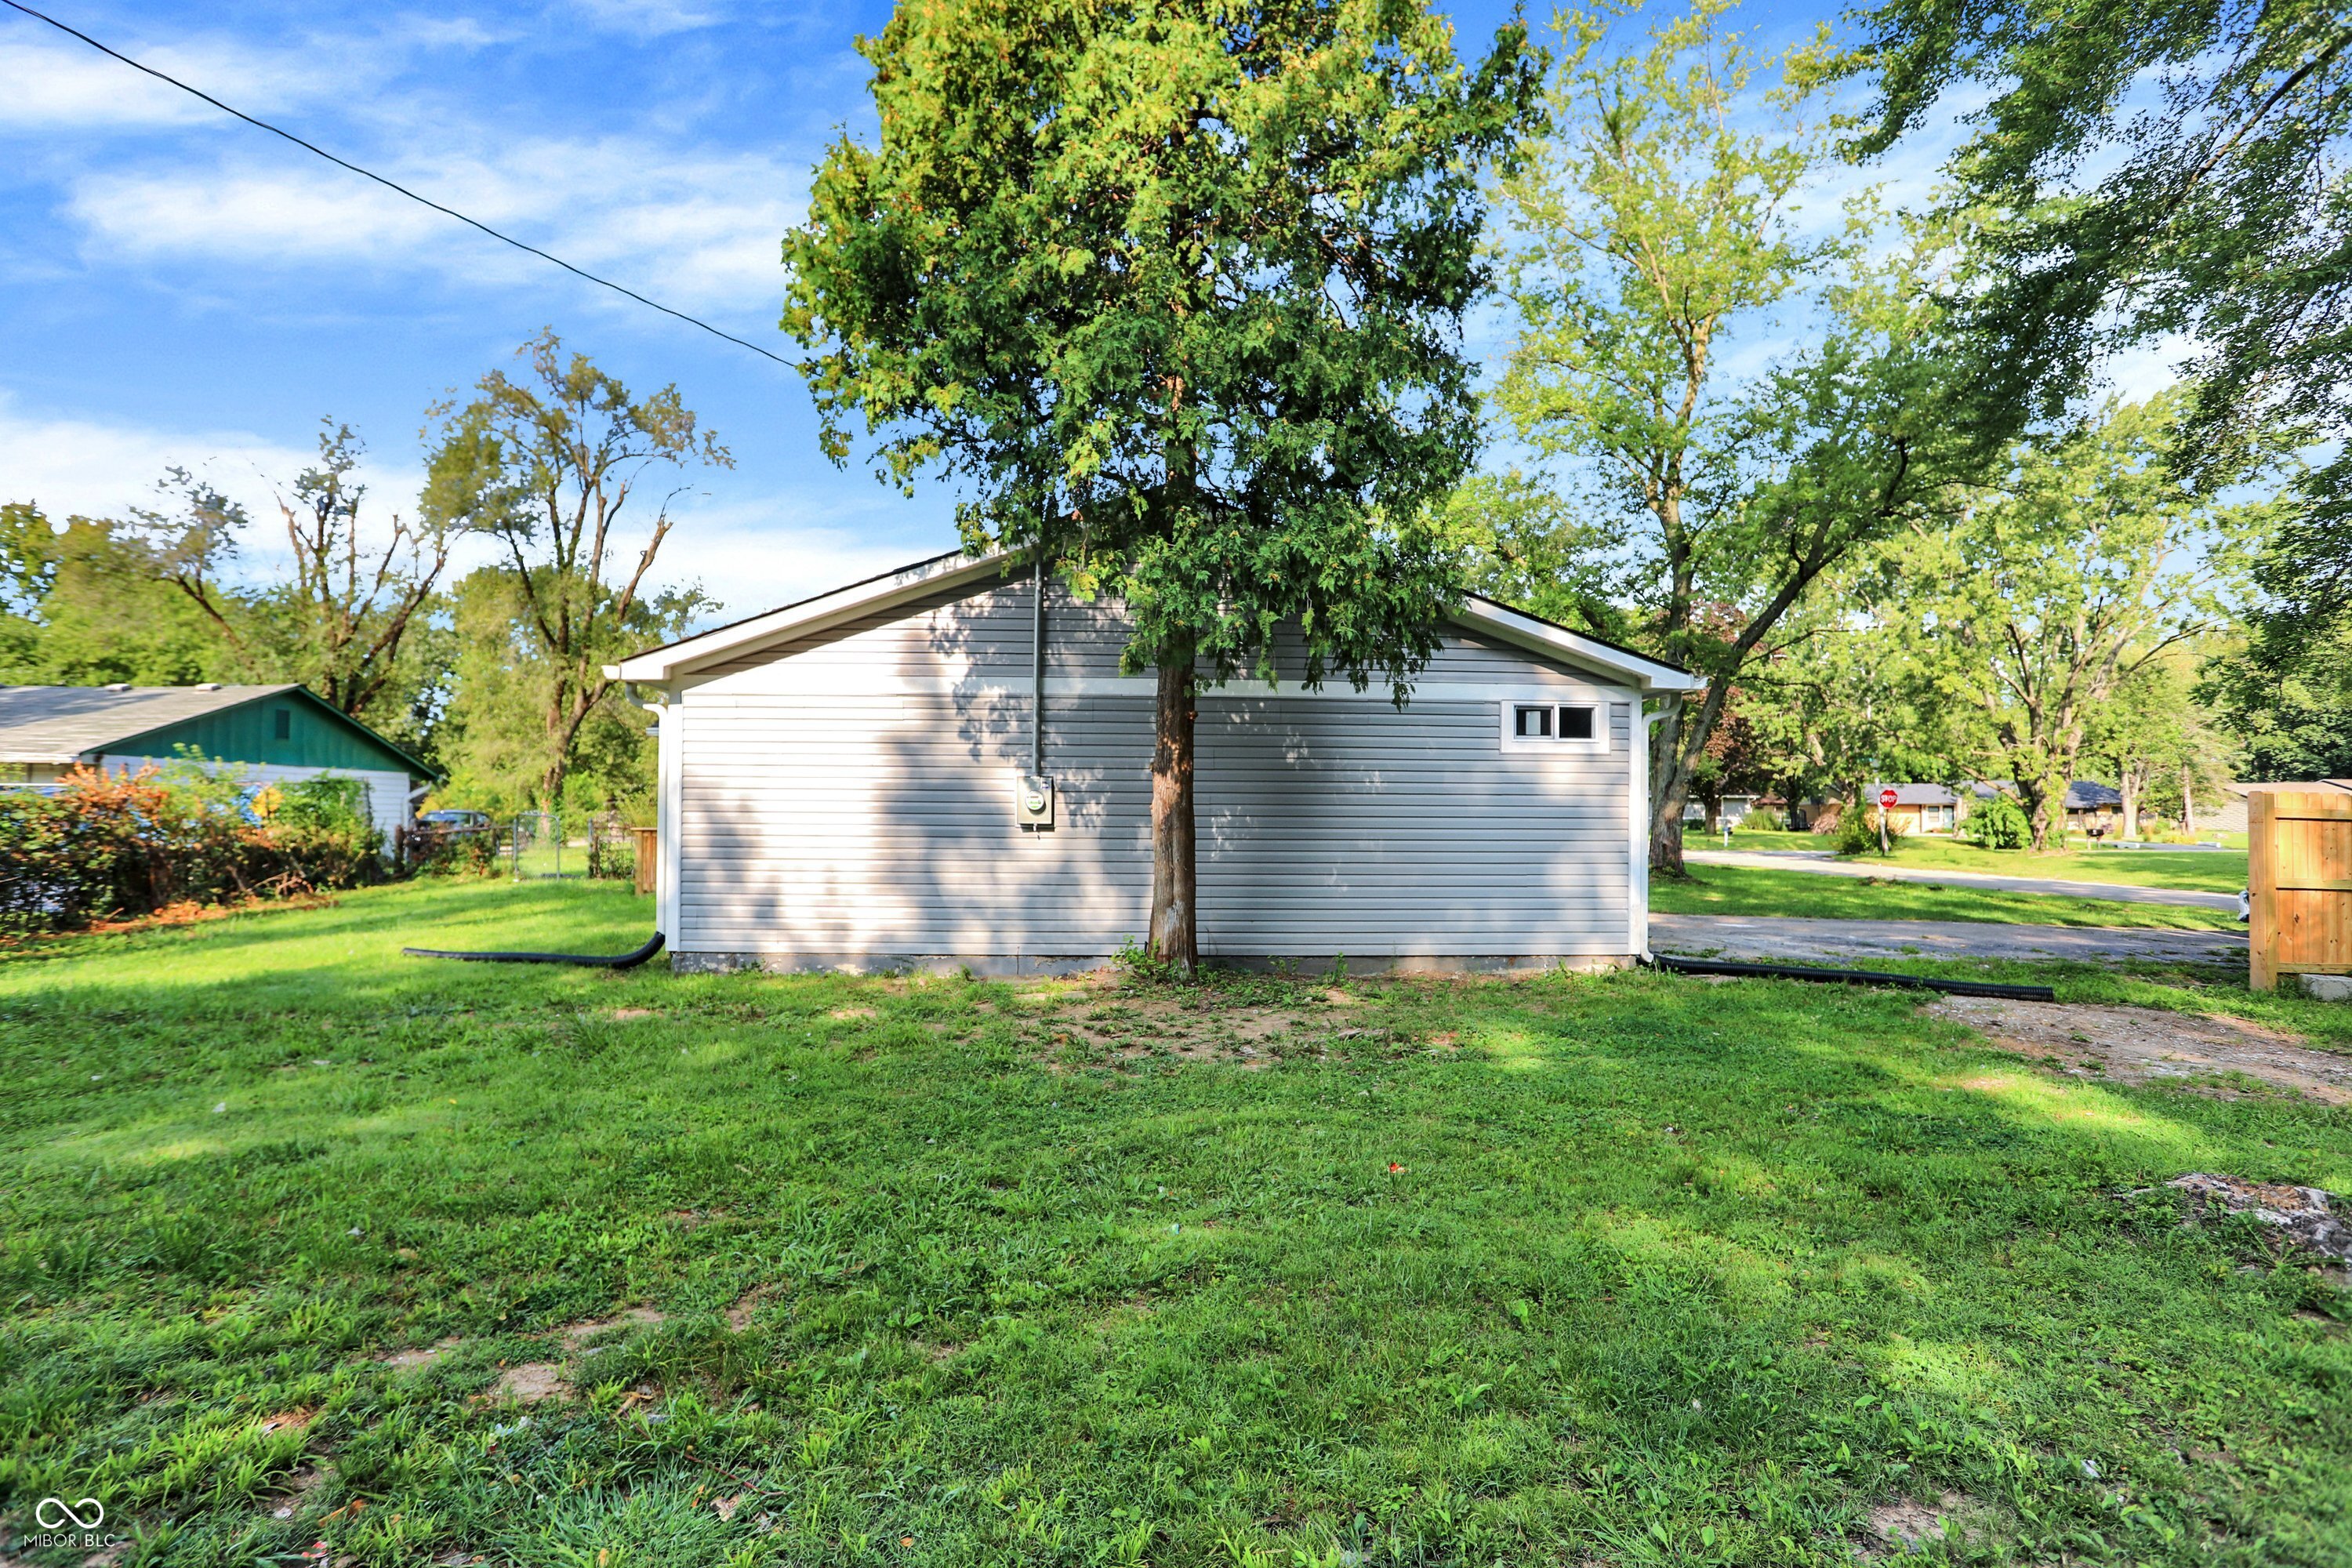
263,735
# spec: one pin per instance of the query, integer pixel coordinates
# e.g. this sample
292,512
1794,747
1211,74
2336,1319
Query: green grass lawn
1758,890
1623,1269
2205,870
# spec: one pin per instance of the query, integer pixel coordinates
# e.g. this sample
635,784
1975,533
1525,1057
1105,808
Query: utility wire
390,185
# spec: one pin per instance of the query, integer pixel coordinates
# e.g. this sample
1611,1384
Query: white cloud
751,554
85,468
57,83
68,85
693,230
754,555
646,18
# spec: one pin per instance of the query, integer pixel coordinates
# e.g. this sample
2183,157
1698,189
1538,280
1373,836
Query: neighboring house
1918,808
2230,814
1734,811
842,785
2097,809
263,735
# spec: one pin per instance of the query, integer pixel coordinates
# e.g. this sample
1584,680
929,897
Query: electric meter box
1033,801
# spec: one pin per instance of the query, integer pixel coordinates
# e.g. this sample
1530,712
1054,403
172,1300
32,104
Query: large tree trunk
2187,804
1669,787
2039,802
2129,784
1175,930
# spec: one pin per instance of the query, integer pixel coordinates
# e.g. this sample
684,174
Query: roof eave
658,667
1652,677
661,665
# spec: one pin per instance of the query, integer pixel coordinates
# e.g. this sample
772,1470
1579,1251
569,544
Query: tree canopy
1175,293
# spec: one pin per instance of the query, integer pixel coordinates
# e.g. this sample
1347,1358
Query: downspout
1037,670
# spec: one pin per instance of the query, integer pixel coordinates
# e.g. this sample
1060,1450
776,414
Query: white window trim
1507,717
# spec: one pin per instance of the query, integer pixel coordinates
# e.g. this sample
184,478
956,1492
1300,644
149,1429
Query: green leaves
1175,290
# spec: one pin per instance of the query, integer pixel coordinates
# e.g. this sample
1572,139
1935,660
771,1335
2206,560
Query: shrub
108,844
1761,819
1998,824
1856,832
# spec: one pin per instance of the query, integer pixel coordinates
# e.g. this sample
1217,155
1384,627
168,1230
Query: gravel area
1777,939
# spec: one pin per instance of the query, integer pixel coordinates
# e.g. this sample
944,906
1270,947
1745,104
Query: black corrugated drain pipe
588,960
1851,977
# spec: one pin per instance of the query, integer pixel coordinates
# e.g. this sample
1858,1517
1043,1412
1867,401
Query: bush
1998,824
106,845
1761,819
1856,832
432,851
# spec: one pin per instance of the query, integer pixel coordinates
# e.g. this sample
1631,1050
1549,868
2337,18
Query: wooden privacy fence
2299,880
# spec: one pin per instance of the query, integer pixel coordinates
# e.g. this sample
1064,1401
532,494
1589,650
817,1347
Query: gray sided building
841,786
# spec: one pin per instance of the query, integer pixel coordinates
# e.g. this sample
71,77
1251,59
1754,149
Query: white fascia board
1541,637
662,665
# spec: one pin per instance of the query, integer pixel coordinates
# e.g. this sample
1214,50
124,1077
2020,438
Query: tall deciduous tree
1176,291
546,465
2037,607
83,608
2222,217
1657,225
338,624
2151,731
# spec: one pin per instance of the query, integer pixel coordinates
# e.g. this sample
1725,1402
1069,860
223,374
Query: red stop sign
1886,797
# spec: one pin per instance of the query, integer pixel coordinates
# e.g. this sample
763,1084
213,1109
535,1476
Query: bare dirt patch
2147,1045
528,1383
402,1360
739,1315
1138,1028
575,1335
631,1014
1904,1523
1131,1027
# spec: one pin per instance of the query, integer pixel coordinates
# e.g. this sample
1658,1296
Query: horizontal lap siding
821,819
1336,824
890,829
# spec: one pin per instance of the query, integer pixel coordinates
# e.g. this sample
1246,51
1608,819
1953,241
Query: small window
1554,727
282,723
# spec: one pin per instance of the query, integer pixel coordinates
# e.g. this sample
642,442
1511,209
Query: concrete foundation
2327,987
1001,966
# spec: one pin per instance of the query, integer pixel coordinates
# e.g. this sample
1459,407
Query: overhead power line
391,184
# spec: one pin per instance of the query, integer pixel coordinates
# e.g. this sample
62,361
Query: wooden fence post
2262,893
2298,884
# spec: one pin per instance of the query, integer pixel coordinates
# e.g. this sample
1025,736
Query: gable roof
1912,794
820,612
63,724
2082,794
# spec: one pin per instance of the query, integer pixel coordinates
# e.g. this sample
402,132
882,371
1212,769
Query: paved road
1777,940
1818,863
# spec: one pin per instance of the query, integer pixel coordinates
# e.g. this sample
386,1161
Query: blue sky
182,288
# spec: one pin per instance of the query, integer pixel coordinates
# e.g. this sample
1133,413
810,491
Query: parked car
456,823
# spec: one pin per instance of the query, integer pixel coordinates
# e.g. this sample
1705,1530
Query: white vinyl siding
849,800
